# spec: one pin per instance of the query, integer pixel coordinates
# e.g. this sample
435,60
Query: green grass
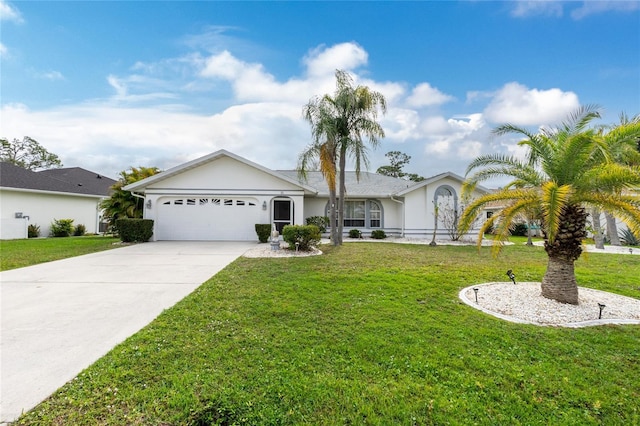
367,334
20,253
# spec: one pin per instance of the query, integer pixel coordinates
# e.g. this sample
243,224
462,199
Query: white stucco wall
42,208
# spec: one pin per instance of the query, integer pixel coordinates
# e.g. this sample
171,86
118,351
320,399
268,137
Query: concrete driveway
60,317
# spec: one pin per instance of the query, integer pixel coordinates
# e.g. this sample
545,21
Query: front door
281,214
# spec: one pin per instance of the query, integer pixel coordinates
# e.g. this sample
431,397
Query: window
354,213
375,215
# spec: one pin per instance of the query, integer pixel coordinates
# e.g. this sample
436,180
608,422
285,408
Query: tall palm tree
341,123
122,204
561,175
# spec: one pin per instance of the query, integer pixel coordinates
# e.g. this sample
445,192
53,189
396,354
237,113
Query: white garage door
207,218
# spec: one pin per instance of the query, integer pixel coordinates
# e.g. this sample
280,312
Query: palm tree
341,123
561,175
122,203
325,153
621,145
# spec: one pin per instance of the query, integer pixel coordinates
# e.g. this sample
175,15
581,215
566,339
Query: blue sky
113,84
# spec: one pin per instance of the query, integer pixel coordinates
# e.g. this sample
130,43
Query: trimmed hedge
264,232
134,230
62,227
355,233
378,234
306,235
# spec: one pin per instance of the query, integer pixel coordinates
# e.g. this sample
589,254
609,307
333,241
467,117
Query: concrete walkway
59,317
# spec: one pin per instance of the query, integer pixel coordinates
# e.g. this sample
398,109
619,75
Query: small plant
320,221
355,233
378,234
62,227
80,230
628,238
306,236
263,230
519,230
134,230
33,231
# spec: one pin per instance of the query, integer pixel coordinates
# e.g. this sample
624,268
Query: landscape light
475,290
601,306
511,275
297,246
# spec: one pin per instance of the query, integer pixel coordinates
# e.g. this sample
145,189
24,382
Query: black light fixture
475,290
630,250
511,276
601,306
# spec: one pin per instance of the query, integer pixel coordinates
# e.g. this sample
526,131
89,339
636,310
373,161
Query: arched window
375,214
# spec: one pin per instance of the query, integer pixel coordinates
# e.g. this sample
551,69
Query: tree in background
561,175
339,126
397,160
619,144
28,154
123,204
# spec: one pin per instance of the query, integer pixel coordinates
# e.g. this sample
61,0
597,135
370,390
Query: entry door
281,214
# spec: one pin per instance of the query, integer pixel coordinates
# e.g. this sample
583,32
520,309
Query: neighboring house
28,197
221,196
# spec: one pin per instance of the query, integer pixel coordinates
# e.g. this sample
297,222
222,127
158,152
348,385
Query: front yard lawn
367,334
21,253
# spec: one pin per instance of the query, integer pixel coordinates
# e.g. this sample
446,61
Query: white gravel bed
264,250
524,303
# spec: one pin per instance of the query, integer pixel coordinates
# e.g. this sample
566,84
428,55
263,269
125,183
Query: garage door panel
207,218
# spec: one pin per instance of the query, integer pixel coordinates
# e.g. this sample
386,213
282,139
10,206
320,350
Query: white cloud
3,50
522,8
595,7
51,75
519,105
425,95
323,61
10,13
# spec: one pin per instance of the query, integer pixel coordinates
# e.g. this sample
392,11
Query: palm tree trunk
598,238
332,216
343,191
559,281
612,230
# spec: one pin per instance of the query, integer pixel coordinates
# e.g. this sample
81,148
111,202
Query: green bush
628,238
80,230
378,234
33,231
320,221
355,233
62,227
264,231
519,230
306,236
134,230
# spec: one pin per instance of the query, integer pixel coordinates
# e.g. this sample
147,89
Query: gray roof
73,180
369,184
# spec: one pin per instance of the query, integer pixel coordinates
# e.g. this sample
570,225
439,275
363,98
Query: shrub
320,221
519,230
628,239
264,231
33,231
355,233
378,234
62,227
80,230
306,236
134,230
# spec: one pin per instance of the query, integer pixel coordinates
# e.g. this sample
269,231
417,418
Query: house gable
221,171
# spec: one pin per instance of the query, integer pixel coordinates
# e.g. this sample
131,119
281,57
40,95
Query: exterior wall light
149,204
264,205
